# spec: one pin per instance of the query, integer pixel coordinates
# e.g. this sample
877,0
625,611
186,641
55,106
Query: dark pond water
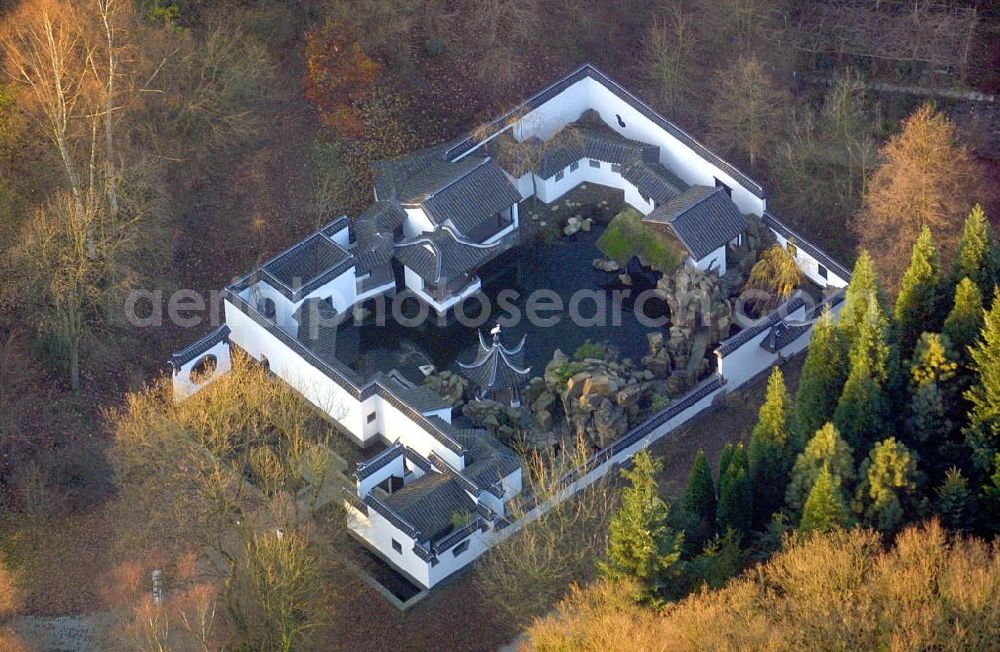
563,267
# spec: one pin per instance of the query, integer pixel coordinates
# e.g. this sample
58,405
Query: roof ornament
498,370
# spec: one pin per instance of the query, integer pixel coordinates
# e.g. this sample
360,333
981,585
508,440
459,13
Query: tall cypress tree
953,501
641,545
975,259
700,502
983,432
863,288
822,380
887,492
770,454
824,509
735,493
918,304
990,500
929,425
826,449
862,410
965,320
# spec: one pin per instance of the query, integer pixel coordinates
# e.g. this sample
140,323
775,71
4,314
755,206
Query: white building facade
434,498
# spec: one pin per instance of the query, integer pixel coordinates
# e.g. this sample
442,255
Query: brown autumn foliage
841,590
339,75
11,597
186,617
928,178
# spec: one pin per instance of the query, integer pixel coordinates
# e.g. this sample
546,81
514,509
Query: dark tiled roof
336,226
782,335
182,357
578,141
379,461
588,71
304,267
420,398
487,461
391,175
429,502
654,181
750,332
496,367
373,231
806,246
473,198
436,176
440,255
702,218
317,319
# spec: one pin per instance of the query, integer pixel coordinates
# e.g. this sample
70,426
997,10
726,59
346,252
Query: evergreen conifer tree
889,477
770,450
965,320
863,288
826,449
983,431
990,501
954,502
824,509
928,417
641,545
862,409
700,502
918,304
975,259
735,494
822,380
729,453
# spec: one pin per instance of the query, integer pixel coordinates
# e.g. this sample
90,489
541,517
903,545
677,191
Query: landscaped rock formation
696,301
503,421
577,223
599,399
449,385
605,265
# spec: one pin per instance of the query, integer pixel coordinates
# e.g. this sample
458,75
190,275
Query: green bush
628,236
590,350
659,402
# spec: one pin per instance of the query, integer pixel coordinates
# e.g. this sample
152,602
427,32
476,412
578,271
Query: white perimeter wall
810,266
313,384
342,291
567,106
184,386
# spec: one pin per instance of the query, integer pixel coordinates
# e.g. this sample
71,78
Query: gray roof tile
439,255
429,502
702,218
468,201
304,267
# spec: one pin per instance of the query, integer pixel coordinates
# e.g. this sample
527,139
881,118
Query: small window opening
621,123
460,548
204,368
594,163
397,546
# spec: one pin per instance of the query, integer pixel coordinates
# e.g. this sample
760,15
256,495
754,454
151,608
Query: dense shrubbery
840,590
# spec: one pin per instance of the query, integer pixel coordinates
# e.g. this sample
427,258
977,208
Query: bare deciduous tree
746,114
529,571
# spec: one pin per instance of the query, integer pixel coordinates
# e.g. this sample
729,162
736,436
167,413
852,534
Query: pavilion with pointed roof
497,368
